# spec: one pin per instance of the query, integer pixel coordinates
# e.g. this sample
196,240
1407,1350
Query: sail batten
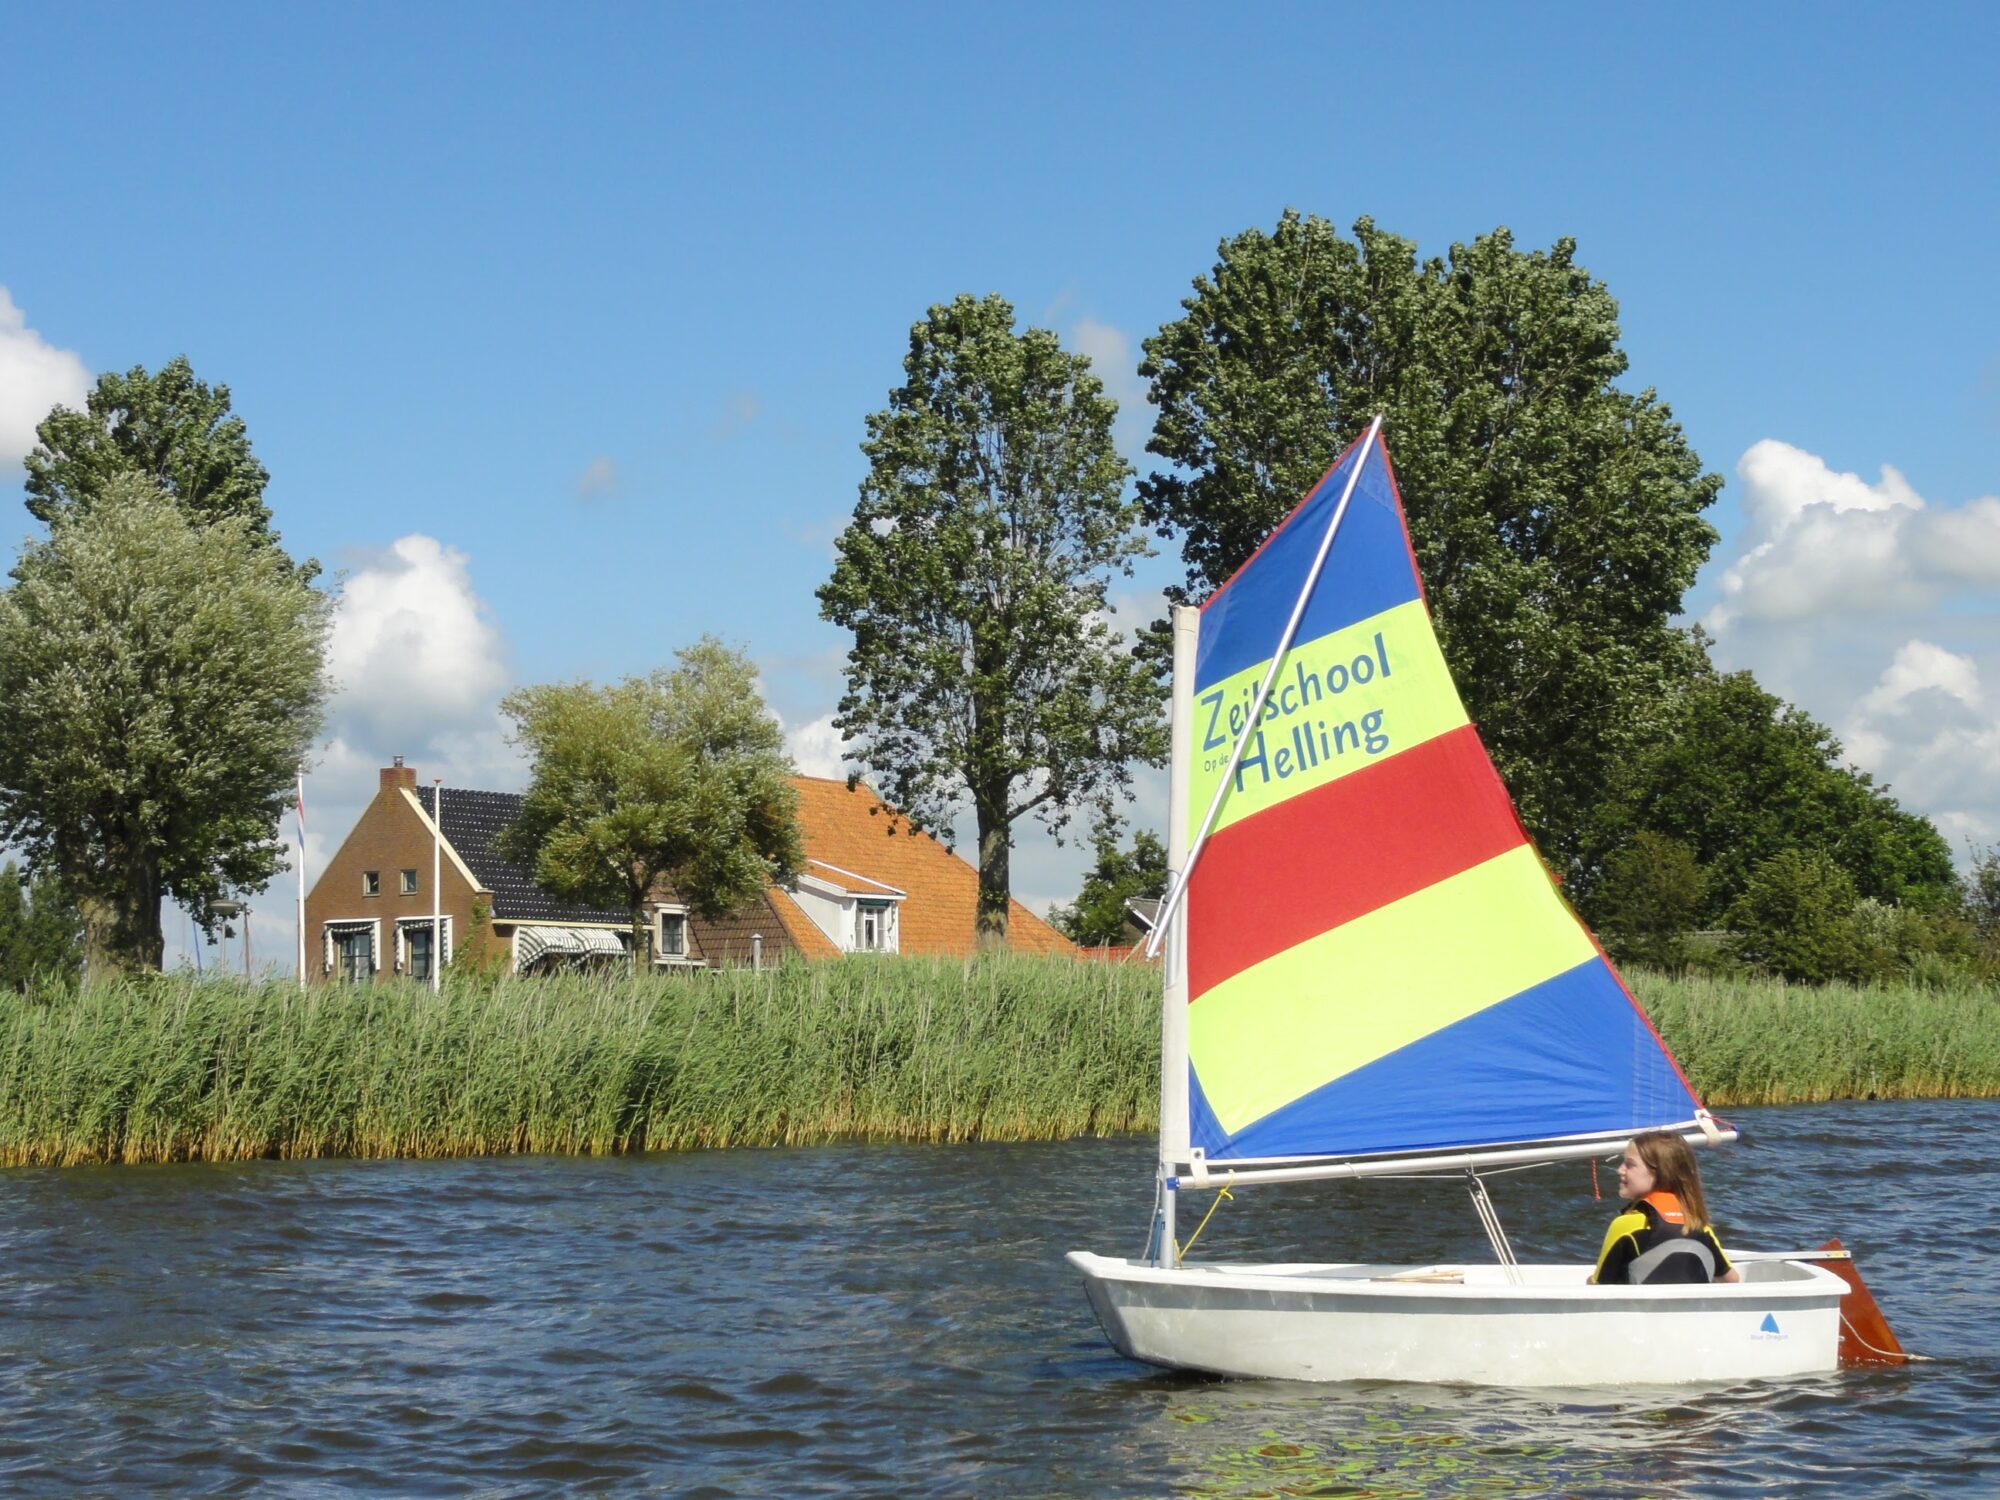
1376,960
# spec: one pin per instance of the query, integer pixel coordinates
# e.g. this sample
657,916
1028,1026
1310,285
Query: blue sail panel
1570,1056
1368,571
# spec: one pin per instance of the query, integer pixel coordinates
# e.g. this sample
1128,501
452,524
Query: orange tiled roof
802,929
857,832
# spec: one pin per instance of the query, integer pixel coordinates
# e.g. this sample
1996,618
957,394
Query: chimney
399,775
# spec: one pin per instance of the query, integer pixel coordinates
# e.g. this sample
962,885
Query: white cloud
414,652
1823,542
817,748
1109,351
1875,611
35,378
598,479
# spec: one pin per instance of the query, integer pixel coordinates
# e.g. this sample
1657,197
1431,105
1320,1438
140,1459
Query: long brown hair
1674,1172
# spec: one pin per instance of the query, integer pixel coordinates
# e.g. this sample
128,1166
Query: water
889,1321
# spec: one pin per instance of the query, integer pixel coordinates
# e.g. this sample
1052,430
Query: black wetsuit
1650,1244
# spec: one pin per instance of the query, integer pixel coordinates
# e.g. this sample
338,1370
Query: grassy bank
175,1070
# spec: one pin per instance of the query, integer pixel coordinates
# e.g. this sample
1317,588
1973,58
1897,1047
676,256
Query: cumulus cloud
817,748
1873,609
414,650
1824,542
35,378
598,479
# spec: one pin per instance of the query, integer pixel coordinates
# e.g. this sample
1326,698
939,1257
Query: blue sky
556,327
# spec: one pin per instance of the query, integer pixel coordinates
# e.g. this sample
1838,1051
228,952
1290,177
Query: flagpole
437,893
302,876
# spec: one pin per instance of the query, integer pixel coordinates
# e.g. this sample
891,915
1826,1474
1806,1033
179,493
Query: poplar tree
1557,518
974,576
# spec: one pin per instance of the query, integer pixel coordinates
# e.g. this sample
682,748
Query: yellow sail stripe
1321,1009
1340,703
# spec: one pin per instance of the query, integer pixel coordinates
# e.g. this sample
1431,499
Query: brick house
870,884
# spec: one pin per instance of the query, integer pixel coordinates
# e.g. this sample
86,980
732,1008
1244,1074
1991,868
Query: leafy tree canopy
170,428
162,680
973,576
1794,918
1557,519
1739,776
41,935
1119,876
677,780
1650,901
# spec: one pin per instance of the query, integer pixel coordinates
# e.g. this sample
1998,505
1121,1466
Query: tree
1119,876
974,575
1795,918
41,935
162,680
1556,519
1739,776
172,429
1650,901
1981,891
678,778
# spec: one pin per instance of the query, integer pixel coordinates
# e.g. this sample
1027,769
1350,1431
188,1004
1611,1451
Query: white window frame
867,910
661,953
403,926
407,882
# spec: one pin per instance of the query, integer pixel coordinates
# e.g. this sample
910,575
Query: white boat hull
1465,1324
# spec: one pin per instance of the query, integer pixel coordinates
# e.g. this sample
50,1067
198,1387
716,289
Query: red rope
1594,1193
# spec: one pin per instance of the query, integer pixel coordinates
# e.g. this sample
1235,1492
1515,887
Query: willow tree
160,681
974,576
675,781
1556,517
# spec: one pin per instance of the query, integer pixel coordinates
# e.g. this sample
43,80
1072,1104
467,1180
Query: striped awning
533,942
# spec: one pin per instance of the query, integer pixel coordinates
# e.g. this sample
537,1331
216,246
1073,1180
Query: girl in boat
1663,1236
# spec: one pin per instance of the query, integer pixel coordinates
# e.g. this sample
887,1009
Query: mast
1174,990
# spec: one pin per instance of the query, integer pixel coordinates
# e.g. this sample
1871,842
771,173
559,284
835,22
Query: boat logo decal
1768,1329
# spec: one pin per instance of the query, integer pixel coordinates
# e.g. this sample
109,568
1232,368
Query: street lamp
228,910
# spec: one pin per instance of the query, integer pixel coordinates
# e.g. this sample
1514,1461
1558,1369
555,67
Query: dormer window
871,926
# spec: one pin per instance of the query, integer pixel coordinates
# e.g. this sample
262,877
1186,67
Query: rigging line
1220,1193
1263,693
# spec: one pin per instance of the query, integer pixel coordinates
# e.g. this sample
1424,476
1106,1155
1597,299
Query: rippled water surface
894,1321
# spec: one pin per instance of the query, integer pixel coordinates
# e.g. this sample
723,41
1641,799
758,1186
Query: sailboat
1369,972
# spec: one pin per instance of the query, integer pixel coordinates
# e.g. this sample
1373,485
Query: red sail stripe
1327,856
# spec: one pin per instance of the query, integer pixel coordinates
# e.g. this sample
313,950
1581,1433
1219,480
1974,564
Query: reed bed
179,1069
1762,1041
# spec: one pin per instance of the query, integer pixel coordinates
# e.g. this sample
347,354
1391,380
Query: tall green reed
177,1069
886,1049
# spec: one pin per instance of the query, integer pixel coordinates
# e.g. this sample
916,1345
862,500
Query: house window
418,947
418,940
371,882
871,926
354,955
409,882
673,936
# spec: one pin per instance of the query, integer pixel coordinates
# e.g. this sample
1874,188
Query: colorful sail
1376,959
